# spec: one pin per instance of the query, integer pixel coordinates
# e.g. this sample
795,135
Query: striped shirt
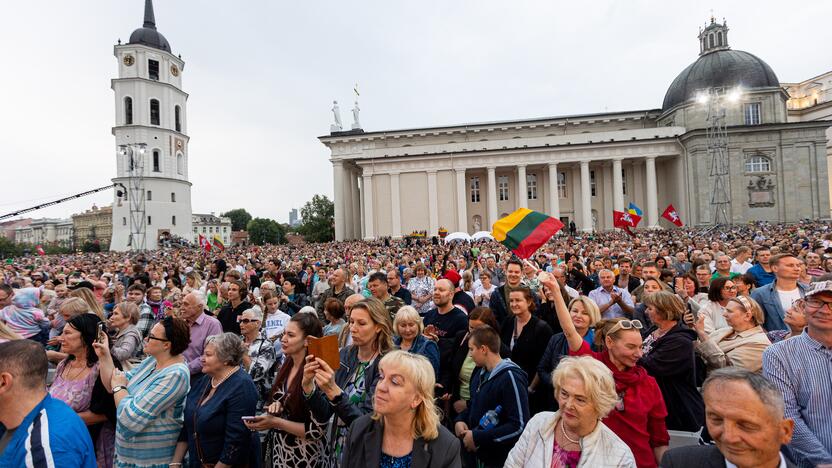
50,436
801,368
150,418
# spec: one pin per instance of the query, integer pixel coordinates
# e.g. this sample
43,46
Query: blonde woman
404,429
94,306
585,390
348,393
408,328
739,344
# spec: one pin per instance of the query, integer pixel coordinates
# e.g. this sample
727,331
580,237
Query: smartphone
101,333
248,418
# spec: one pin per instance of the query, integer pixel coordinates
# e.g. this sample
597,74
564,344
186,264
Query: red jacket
639,419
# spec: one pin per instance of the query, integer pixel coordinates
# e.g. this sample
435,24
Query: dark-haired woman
150,397
77,384
294,438
527,337
720,292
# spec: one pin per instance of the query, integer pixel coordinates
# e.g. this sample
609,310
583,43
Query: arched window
757,164
177,118
710,41
128,111
180,164
719,38
154,112
157,157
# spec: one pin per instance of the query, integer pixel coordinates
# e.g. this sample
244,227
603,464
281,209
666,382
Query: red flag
203,242
40,250
671,215
625,221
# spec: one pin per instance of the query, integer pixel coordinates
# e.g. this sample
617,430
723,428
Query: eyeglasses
731,288
816,305
247,321
625,325
151,337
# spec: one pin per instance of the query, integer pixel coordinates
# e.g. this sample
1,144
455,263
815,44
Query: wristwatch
118,388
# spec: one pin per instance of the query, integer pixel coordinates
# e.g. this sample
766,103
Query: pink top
75,393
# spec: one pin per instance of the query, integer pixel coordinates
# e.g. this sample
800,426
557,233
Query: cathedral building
153,196
582,167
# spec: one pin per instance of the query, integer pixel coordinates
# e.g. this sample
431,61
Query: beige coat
743,349
601,448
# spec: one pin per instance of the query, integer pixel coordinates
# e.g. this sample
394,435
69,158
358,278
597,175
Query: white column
433,205
395,205
338,179
586,198
554,196
652,193
349,217
522,193
461,201
368,206
356,206
492,197
617,186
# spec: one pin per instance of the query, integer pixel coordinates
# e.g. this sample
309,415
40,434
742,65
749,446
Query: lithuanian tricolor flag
218,242
524,231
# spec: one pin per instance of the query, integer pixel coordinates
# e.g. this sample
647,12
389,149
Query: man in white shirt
740,263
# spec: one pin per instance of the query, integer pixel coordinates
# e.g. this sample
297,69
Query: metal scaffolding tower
717,140
136,195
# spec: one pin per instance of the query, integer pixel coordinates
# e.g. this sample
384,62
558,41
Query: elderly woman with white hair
408,327
261,357
214,433
585,390
739,344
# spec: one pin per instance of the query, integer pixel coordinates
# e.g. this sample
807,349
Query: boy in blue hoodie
495,382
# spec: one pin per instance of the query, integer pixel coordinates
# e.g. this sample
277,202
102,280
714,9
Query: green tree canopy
239,218
265,231
317,216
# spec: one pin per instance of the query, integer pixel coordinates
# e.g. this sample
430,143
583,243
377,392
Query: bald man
446,320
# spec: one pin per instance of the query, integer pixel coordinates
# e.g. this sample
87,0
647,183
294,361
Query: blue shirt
601,297
761,276
801,368
50,435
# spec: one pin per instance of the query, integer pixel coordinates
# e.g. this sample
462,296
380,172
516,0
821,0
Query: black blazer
697,456
363,447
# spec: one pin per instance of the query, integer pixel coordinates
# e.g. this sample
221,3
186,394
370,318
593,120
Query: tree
318,217
239,218
8,248
265,231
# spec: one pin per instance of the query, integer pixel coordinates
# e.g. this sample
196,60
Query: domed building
771,159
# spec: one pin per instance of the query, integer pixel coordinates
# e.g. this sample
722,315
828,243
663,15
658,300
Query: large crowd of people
673,348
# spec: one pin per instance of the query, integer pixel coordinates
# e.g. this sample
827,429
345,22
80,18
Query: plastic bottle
491,418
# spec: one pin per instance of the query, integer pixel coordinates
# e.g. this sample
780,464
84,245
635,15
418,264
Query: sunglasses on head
626,325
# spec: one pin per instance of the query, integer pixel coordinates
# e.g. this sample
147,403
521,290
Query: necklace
563,431
215,385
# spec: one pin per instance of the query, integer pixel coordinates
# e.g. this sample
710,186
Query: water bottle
490,419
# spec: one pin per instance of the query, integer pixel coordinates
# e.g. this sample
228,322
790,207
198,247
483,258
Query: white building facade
210,225
151,112
46,231
580,168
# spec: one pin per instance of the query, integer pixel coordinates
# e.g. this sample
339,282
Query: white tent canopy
482,235
457,236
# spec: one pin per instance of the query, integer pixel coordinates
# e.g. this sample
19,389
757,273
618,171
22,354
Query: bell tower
714,37
153,195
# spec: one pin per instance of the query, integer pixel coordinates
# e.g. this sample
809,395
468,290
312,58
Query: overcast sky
262,76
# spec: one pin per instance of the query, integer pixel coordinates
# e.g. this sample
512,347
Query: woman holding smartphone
294,438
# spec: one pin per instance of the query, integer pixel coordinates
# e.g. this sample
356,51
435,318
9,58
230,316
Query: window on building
752,113
502,185
173,220
128,160
177,118
124,221
180,164
211,229
154,112
562,192
531,186
149,219
758,164
592,183
128,111
153,69
157,156
196,229
203,229
149,195
475,189
225,229
623,181
719,38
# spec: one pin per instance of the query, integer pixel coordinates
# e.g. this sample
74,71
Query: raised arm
572,337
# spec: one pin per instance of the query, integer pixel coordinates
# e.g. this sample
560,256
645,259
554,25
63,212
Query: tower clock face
174,70
129,60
